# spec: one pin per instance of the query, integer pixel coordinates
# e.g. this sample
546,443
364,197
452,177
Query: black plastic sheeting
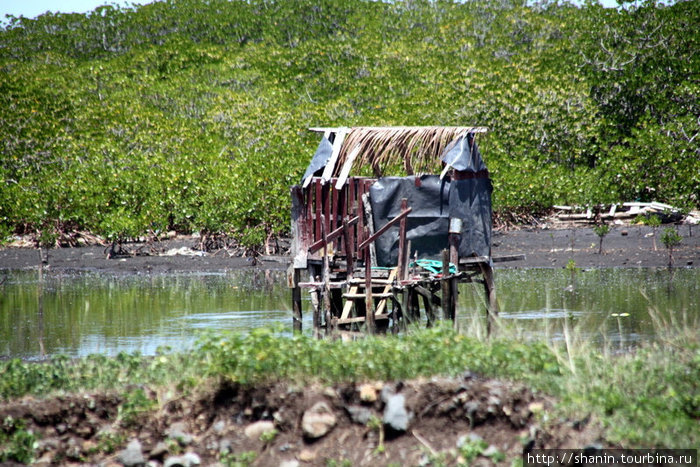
433,202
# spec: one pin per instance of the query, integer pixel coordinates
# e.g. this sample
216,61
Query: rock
158,451
189,459
133,455
307,455
359,414
257,429
290,463
395,414
219,427
178,432
535,407
368,393
318,421
471,438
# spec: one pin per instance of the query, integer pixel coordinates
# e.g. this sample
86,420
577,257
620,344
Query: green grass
646,398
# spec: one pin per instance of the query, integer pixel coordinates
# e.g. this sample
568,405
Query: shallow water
80,314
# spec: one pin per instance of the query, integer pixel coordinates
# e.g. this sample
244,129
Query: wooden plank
316,285
369,301
386,293
369,223
326,276
351,250
318,189
490,290
347,166
503,259
384,228
331,236
354,296
359,191
347,308
402,266
296,303
349,260
361,319
326,196
343,212
446,299
333,211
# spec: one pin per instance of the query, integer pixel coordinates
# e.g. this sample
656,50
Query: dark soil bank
282,425
629,246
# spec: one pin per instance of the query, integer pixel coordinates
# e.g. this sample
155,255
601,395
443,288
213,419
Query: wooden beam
384,228
331,236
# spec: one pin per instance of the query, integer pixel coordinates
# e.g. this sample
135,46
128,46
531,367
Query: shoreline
623,246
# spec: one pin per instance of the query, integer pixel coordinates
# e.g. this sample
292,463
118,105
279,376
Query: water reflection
43,313
615,307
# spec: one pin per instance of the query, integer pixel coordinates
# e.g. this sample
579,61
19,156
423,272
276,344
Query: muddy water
80,314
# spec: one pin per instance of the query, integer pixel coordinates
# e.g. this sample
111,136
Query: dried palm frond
415,149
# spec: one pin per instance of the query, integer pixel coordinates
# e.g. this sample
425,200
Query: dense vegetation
192,115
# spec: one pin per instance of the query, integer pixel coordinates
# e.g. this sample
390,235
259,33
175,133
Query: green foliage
240,459
16,442
601,231
670,238
191,115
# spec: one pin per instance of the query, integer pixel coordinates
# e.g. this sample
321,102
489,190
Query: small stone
624,233
359,414
490,451
257,429
219,427
535,407
395,414
318,421
290,463
330,392
178,432
189,459
368,393
133,455
158,451
306,455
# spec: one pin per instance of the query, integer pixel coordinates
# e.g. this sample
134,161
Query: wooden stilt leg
296,302
490,290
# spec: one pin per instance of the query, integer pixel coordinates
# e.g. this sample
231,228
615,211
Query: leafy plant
16,442
671,239
601,231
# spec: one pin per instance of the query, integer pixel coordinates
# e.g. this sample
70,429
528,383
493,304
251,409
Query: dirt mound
405,423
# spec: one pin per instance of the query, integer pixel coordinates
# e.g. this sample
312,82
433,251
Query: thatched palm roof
416,149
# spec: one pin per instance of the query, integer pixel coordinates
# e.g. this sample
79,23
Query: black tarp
433,202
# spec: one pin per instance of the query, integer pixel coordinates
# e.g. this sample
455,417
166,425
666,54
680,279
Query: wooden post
369,305
348,249
296,302
446,288
490,289
402,243
326,276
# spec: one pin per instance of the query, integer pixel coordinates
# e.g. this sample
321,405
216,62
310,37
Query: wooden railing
340,211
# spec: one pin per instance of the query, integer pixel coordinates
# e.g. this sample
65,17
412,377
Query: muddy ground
543,246
273,425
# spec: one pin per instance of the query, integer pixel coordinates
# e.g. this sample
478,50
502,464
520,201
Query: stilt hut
386,219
